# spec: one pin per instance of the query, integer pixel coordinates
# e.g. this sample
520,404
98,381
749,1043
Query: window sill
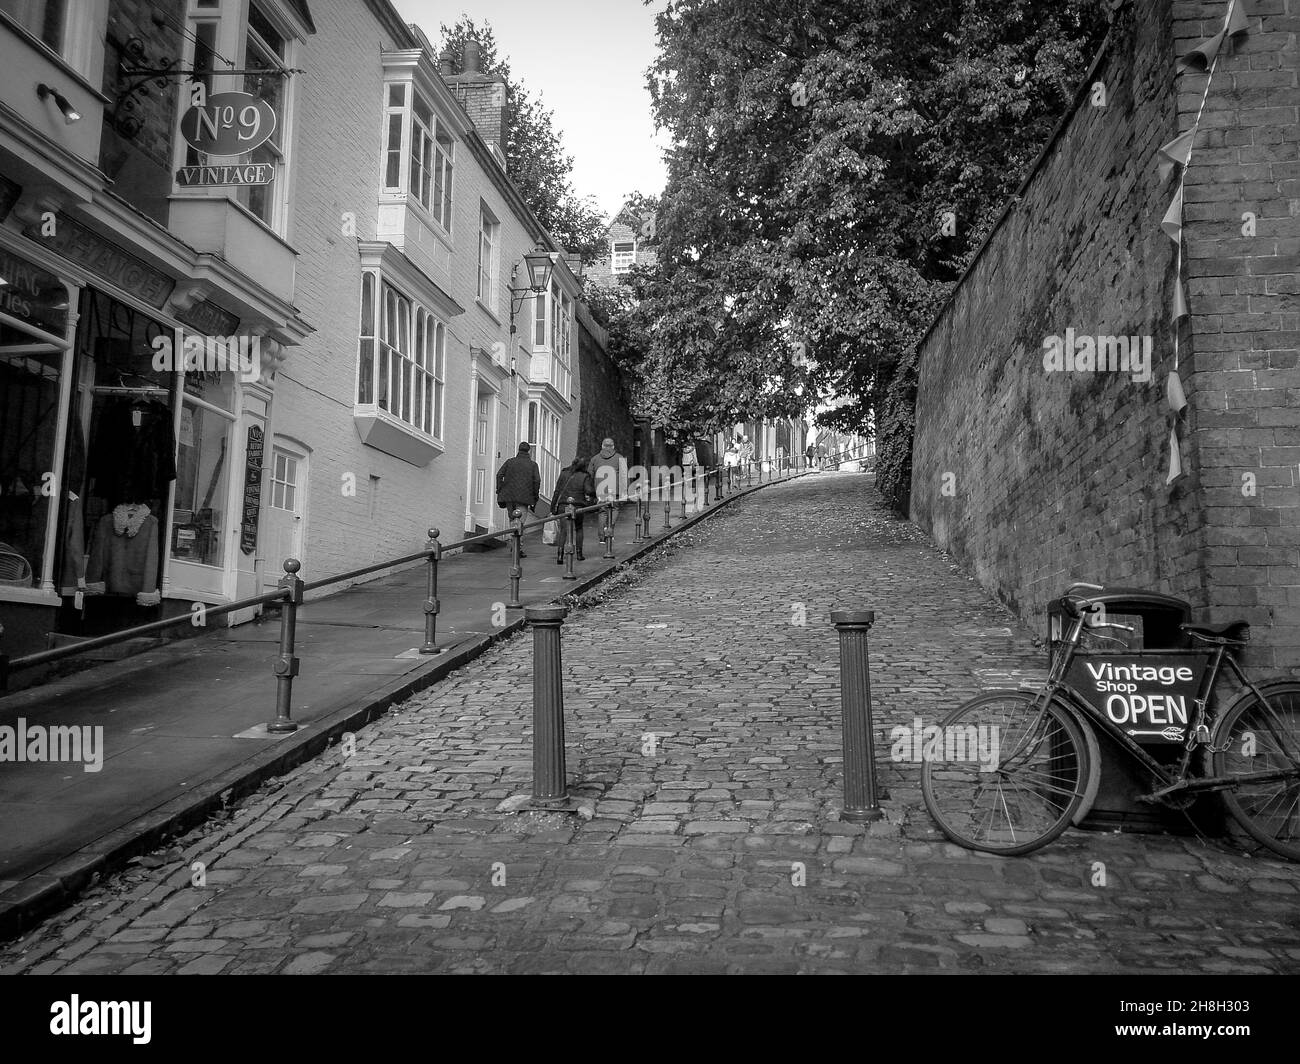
379,429
32,596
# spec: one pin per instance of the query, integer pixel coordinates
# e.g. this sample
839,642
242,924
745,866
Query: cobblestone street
715,846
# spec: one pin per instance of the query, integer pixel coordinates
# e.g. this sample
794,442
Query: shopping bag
549,534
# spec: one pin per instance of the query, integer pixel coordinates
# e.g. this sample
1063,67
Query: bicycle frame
1173,778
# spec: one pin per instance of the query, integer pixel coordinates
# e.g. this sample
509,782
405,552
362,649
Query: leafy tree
834,166
535,155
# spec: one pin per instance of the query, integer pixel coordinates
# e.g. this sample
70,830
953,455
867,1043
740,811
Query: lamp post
539,263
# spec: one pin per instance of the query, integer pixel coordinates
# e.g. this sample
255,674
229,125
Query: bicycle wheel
1026,785
1253,737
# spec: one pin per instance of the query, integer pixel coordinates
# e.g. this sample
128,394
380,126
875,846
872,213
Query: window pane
202,471
393,174
368,304
396,95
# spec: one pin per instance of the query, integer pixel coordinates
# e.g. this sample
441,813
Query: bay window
401,357
418,152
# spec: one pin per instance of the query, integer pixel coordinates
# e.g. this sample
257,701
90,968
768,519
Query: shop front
130,458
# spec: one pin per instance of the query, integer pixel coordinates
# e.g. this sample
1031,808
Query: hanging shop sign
86,248
252,489
228,123
208,176
32,295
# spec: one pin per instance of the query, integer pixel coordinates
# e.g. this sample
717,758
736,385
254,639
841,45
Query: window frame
489,273
614,245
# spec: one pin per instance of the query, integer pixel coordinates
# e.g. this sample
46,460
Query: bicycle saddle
1232,632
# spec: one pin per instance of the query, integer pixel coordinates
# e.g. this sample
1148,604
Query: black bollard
860,797
609,530
636,525
569,548
286,664
549,775
516,565
431,606
717,484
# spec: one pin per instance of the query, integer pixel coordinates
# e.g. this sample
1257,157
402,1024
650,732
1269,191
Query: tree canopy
833,168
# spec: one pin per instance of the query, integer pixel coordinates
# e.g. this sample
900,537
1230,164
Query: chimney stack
484,97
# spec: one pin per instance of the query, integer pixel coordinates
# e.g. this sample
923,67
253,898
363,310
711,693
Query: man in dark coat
519,483
575,483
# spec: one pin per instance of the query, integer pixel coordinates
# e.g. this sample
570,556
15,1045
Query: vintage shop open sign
1151,696
228,123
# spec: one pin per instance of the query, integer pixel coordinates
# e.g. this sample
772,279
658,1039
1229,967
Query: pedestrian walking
811,455
519,484
577,484
608,471
746,454
731,463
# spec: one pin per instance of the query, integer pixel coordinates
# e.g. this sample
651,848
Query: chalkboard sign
252,490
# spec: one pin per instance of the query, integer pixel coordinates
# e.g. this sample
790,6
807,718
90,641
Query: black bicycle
1009,771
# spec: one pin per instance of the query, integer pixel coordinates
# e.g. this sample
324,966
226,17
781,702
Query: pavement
184,724
703,736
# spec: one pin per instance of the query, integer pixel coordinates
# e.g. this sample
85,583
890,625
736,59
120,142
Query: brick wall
1031,479
602,397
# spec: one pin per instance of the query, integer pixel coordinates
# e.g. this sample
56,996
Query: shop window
205,441
30,373
121,452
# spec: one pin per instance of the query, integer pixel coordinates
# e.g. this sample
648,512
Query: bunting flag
1172,222
1178,153
1200,57
1175,153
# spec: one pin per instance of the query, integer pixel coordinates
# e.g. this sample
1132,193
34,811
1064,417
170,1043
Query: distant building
630,241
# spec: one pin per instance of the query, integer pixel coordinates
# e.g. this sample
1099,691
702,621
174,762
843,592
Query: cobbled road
716,846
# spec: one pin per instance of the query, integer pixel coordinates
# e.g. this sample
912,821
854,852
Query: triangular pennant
1174,392
1198,59
1180,302
1175,153
1175,459
1172,222
1238,19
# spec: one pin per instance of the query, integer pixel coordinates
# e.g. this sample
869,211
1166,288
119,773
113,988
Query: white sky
587,60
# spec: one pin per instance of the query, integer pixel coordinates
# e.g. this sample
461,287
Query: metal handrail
292,589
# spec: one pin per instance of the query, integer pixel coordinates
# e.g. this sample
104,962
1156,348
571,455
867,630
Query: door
482,487
284,512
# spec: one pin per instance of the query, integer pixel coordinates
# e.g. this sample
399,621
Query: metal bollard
684,483
717,484
636,525
860,797
569,547
749,472
431,605
668,506
286,664
645,519
549,775
516,565
609,530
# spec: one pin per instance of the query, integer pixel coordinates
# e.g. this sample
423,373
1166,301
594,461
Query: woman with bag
576,483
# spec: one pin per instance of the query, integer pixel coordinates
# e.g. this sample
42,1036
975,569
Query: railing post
570,548
286,664
549,775
749,472
860,798
668,504
717,484
645,517
516,565
431,605
636,525
684,482
609,529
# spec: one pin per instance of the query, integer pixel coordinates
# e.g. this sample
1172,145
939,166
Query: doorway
285,510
